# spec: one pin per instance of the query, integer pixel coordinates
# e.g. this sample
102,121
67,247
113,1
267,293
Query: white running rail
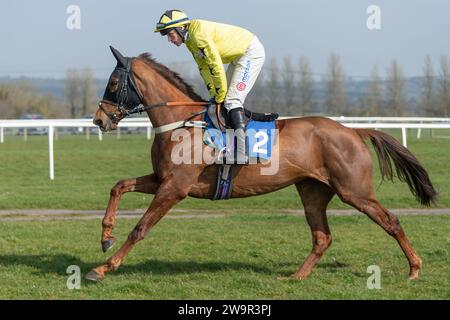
402,123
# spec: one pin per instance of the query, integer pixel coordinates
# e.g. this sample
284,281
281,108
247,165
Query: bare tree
444,87
372,99
12,102
257,99
21,97
18,98
48,105
306,83
427,100
87,92
288,78
336,97
272,84
396,101
72,91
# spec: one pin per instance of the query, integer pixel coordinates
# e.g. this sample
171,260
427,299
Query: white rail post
2,135
404,137
419,131
149,133
100,136
50,150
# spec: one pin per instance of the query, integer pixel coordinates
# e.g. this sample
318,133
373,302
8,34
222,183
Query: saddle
219,118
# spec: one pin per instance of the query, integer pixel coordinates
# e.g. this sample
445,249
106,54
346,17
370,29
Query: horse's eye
113,85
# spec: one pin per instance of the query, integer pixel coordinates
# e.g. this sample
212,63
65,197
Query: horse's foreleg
315,197
169,193
146,184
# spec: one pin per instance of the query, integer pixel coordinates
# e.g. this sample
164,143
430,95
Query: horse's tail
407,166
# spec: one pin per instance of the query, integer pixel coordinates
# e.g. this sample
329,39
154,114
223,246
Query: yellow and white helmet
170,20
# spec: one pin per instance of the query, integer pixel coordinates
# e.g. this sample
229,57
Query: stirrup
225,156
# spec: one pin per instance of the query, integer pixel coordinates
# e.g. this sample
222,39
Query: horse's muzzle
98,122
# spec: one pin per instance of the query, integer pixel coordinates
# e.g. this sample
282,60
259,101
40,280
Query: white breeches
242,74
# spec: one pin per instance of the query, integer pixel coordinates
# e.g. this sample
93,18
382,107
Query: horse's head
121,95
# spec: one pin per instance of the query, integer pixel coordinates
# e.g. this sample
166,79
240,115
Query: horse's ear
119,57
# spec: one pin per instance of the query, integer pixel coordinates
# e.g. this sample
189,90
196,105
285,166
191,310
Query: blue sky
36,42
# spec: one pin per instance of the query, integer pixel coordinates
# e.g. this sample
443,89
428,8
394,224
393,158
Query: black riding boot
237,119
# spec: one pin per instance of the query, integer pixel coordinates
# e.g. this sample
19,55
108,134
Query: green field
233,257
86,170
240,255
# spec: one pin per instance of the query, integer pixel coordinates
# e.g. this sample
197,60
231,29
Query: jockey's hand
212,101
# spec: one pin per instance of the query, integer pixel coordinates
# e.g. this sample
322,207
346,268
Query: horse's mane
171,76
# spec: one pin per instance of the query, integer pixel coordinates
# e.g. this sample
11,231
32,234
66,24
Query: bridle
126,106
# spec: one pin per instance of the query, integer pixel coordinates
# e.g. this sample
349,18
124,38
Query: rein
141,108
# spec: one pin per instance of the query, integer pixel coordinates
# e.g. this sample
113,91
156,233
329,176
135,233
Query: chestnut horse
321,157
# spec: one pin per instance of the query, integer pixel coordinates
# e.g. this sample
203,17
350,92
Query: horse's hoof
414,271
93,276
414,276
286,279
299,276
107,244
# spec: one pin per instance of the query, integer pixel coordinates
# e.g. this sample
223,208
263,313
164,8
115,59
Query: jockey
212,45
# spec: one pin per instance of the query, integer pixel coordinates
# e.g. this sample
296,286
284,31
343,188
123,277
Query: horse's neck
157,90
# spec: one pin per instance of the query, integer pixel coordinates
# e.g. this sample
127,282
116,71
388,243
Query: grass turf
232,257
86,170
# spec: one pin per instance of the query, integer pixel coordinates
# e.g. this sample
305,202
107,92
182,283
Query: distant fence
402,123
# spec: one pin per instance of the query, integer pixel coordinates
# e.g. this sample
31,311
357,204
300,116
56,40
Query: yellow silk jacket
214,44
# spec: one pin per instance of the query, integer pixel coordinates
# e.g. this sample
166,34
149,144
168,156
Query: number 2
258,144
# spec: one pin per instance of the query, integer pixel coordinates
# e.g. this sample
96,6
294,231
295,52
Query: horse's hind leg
315,197
390,223
354,187
146,184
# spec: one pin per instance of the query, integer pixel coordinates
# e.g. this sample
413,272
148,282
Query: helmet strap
182,32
